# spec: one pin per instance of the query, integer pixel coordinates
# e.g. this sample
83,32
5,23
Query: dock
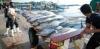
20,40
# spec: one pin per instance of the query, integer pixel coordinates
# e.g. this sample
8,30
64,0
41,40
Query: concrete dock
20,40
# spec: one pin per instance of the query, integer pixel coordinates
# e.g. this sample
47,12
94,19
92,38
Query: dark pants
34,40
10,23
94,41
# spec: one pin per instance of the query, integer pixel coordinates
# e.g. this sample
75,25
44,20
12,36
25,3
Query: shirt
12,13
12,10
94,19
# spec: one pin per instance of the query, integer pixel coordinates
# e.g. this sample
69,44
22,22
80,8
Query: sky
66,2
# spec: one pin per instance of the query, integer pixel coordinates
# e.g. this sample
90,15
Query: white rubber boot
15,29
12,32
6,33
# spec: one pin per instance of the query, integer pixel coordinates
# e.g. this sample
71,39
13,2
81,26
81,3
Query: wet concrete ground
20,40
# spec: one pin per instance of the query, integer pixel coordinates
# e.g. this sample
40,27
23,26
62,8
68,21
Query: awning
93,4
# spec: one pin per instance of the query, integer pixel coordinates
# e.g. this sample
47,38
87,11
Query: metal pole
81,24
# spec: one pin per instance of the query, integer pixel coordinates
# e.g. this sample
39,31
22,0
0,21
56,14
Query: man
11,20
92,26
34,40
7,17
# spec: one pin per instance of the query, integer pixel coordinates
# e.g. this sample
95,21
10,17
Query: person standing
34,39
7,17
11,20
92,26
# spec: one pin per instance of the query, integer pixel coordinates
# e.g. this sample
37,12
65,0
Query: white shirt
12,11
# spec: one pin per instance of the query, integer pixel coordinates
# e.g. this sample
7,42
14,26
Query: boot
15,29
6,33
12,32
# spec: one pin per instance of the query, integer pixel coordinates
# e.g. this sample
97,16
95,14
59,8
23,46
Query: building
4,1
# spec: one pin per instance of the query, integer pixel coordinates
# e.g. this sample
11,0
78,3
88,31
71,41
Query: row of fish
44,20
